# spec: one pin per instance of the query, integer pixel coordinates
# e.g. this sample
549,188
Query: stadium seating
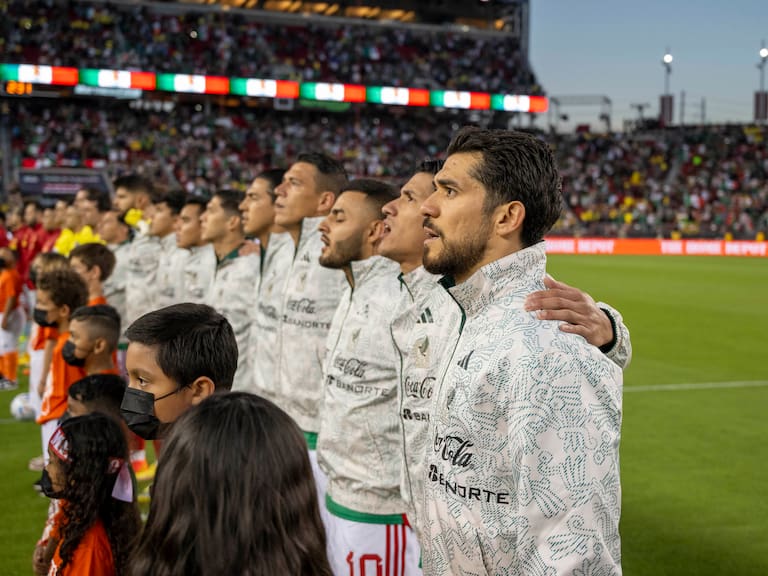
141,38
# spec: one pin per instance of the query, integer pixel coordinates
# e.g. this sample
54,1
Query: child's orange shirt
98,301
42,335
61,377
92,557
10,287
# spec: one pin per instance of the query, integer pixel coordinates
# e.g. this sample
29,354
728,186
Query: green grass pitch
693,460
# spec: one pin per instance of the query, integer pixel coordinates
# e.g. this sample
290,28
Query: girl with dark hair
234,494
98,522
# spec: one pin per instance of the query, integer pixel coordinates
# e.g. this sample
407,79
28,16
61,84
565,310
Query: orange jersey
62,376
42,335
10,287
98,301
92,557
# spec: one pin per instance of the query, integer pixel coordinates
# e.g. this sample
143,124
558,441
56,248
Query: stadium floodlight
666,61
764,53
761,66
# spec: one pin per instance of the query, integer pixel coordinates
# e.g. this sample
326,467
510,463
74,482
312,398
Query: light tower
666,102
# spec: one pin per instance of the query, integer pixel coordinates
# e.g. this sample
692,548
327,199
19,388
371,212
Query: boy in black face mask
59,294
11,319
93,335
177,356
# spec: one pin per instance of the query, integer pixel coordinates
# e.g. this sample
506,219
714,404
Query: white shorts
9,339
321,483
46,431
361,549
36,358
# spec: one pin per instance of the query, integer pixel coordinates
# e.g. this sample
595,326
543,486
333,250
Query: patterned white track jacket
310,299
266,312
523,449
359,445
232,290
199,270
169,285
144,256
426,324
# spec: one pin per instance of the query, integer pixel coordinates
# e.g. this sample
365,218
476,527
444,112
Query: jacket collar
512,278
366,270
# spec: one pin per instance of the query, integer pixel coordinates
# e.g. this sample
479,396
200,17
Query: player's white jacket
235,282
143,259
523,451
266,312
359,445
199,270
114,286
426,321
310,299
169,286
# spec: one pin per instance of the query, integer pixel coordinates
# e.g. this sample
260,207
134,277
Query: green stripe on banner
166,82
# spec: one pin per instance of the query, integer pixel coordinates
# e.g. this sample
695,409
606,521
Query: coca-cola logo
350,366
453,449
421,389
304,305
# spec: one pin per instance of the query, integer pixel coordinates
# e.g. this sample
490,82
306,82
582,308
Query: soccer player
310,295
117,234
428,320
524,431
177,357
359,445
237,276
133,197
274,246
200,264
169,283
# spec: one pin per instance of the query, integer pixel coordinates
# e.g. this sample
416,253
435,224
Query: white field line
697,386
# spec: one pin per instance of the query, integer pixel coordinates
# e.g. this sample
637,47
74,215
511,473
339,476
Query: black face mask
68,353
46,485
41,318
3,263
138,411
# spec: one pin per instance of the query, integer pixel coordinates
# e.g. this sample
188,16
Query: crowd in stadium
706,183
138,38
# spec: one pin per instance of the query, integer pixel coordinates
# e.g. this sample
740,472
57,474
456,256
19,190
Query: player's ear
201,389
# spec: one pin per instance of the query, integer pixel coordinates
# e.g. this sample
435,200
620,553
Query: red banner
654,246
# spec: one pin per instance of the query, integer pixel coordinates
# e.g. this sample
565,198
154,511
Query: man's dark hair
65,287
430,166
134,184
273,177
200,201
94,254
100,393
174,199
331,175
100,197
102,321
190,341
377,193
230,200
514,166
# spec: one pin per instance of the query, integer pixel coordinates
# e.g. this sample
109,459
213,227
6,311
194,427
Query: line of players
336,321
